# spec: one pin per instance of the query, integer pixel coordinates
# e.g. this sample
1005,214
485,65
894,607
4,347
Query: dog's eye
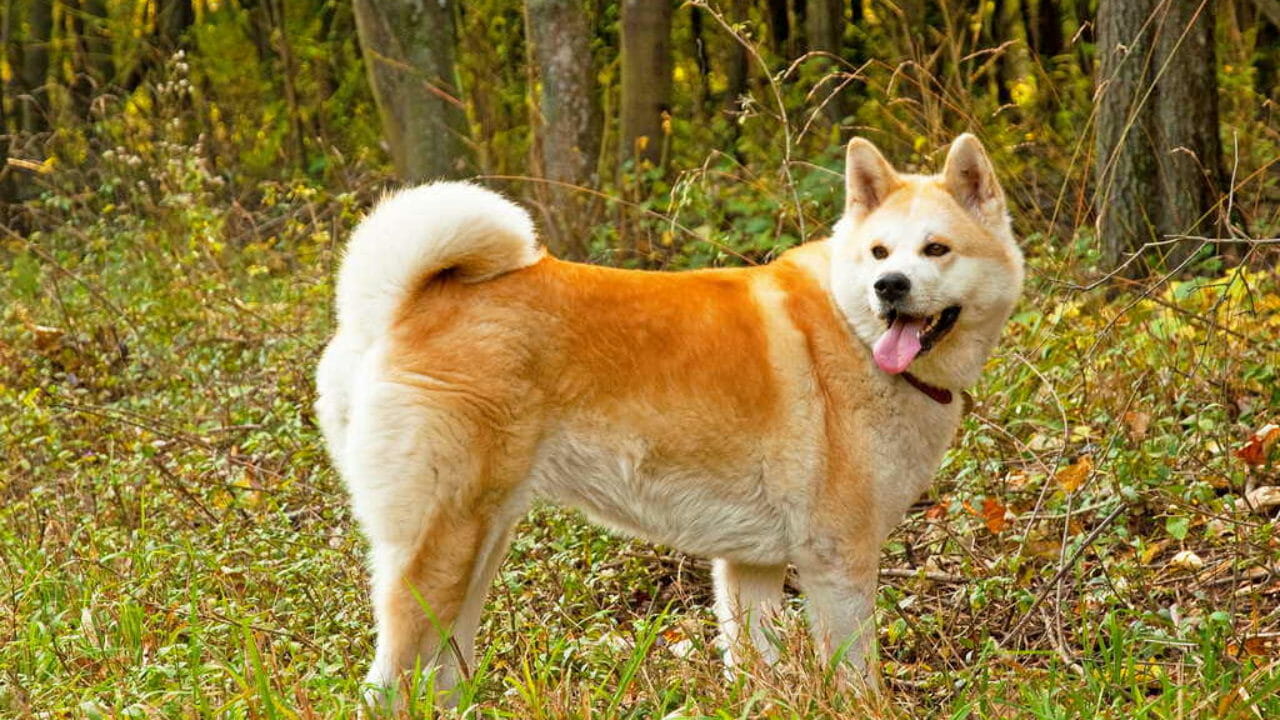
878,252
934,249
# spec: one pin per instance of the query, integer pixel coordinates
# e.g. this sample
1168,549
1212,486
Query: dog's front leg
841,596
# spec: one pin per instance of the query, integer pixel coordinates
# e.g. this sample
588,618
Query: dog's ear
868,178
970,178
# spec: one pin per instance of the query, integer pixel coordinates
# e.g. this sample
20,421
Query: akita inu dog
764,416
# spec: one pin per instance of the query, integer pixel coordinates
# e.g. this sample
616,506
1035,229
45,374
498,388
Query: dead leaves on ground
1257,449
1073,476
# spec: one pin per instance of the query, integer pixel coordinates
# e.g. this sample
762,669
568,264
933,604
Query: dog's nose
892,287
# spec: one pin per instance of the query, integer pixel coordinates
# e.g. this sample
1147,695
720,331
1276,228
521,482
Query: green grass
173,542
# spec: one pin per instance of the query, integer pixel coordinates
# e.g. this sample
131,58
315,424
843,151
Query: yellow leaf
1073,476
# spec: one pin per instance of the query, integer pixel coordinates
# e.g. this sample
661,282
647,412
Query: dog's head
926,268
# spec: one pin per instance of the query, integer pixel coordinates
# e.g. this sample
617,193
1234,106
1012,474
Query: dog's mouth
909,337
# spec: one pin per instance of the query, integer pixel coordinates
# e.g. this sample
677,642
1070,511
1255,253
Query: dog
783,414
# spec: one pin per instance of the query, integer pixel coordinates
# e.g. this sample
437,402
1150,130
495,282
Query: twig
1062,571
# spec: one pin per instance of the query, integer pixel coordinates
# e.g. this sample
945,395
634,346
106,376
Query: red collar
939,395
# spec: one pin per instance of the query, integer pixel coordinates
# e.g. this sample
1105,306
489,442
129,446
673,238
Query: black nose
892,287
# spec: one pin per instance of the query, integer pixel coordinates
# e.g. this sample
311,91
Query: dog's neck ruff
942,396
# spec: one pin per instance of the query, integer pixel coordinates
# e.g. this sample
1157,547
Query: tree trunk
288,78
569,110
1189,151
646,78
408,48
702,59
1044,25
8,186
173,17
35,66
94,59
779,27
1015,67
824,31
1159,157
1126,171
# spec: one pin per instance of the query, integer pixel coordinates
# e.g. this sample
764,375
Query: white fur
985,289
423,230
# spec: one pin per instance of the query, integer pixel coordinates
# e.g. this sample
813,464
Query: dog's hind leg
428,604
749,595
436,497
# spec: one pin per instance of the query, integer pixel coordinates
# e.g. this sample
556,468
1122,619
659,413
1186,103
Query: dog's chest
908,443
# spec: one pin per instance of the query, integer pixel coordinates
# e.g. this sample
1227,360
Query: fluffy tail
416,233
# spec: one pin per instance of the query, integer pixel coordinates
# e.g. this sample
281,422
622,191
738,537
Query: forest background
180,177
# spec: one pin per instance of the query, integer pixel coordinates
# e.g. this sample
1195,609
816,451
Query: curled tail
410,236
416,233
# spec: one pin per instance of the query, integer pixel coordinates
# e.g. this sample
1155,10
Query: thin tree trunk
1126,172
737,62
569,110
779,27
288,77
8,186
1016,65
824,31
173,17
1044,26
702,59
94,59
646,78
1189,151
35,66
408,48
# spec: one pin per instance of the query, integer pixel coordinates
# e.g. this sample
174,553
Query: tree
1158,152
93,60
646,78
408,48
173,17
1186,115
824,32
35,66
568,147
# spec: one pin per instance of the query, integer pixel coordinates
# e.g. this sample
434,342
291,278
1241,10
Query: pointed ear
971,180
868,178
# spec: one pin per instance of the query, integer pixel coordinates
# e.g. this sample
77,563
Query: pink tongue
898,346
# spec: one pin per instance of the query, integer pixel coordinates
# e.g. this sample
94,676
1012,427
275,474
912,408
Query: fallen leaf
1073,476
1254,451
1256,646
1137,423
1017,480
1264,498
936,512
1187,560
993,514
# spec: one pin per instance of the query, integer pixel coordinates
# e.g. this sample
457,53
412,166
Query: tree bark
173,17
1189,150
1159,157
35,66
94,59
824,31
1125,163
1044,23
646,79
568,145
408,48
